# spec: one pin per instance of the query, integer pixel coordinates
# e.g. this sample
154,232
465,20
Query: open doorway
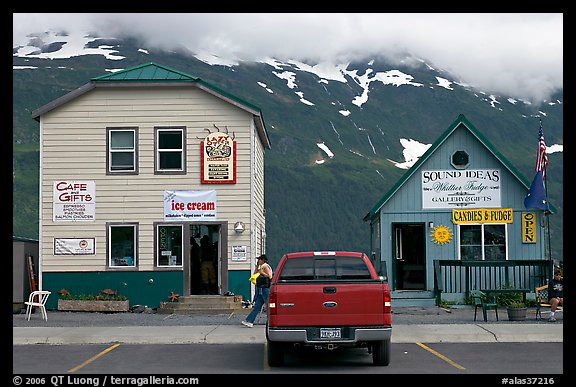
204,258
410,259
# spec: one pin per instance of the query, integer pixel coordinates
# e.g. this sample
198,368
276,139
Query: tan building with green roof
136,168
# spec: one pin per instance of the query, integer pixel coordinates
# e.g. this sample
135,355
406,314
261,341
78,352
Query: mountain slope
337,131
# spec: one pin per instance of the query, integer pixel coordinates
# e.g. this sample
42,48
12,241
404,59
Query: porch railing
451,276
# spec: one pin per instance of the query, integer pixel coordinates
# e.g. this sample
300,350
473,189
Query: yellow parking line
441,356
93,358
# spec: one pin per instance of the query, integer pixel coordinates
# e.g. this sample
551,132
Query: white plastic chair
38,299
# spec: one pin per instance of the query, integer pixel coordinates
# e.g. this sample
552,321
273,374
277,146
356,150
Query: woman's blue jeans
260,298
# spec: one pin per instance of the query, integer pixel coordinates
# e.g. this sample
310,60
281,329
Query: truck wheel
381,352
275,354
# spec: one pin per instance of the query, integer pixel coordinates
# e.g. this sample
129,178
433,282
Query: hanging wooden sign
218,159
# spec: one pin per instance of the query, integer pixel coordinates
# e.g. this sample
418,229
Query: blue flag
536,197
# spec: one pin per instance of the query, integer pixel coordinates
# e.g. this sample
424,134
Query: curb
233,334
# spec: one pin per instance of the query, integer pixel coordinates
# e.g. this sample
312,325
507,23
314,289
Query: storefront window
122,245
169,250
483,242
494,242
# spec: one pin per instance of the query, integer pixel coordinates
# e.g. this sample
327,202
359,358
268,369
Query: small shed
24,269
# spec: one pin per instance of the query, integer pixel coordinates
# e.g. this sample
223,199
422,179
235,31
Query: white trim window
483,242
122,246
122,151
170,155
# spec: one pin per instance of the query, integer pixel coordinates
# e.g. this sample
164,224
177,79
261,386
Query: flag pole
547,214
547,211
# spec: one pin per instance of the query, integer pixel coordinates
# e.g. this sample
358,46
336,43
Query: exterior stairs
203,304
406,298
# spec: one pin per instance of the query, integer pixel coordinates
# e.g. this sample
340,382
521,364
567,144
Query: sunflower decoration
441,235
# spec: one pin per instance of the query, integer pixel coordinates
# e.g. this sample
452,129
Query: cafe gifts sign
469,188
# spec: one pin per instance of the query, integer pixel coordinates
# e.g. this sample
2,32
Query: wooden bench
541,300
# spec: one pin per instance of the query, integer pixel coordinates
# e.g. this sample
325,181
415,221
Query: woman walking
262,289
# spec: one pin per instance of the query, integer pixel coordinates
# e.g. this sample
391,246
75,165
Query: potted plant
514,303
516,311
107,300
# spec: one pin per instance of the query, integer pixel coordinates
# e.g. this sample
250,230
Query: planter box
93,306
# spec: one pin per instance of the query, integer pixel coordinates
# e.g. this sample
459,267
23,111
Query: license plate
330,333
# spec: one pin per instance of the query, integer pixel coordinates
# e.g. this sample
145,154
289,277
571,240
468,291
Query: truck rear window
322,268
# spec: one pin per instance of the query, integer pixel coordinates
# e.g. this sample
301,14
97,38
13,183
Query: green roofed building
152,184
456,222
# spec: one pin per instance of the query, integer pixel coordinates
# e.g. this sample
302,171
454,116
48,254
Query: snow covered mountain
342,133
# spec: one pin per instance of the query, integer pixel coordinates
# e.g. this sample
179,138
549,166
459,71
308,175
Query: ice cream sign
190,205
74,201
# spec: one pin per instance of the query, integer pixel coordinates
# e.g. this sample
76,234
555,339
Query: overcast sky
520,55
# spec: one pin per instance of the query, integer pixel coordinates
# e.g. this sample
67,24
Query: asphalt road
224,359
225,347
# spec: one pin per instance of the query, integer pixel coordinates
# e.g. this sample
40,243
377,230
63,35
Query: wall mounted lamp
239,227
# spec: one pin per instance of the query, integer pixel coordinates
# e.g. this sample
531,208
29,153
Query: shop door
205,259
410,260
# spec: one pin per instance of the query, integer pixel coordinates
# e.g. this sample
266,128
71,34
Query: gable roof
154,74
460,121
147,72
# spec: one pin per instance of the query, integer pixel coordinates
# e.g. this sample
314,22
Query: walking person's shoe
247,324
552,319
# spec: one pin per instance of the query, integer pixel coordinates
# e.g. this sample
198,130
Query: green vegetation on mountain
308,205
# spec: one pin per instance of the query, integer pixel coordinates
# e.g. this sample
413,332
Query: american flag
541,156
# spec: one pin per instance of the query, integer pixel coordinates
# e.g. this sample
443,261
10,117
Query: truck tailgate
329,304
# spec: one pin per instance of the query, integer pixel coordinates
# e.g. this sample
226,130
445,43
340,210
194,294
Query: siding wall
73,147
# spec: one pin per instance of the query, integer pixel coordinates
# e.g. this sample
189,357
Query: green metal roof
147,72
154,72
461,120
157,74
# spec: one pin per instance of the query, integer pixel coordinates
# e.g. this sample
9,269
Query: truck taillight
387,299
272,301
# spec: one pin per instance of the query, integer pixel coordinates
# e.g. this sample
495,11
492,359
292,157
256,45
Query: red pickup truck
326,300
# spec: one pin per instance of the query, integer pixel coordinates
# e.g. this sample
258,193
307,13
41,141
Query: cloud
520,55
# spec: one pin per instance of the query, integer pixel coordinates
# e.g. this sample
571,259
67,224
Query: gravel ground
400,315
